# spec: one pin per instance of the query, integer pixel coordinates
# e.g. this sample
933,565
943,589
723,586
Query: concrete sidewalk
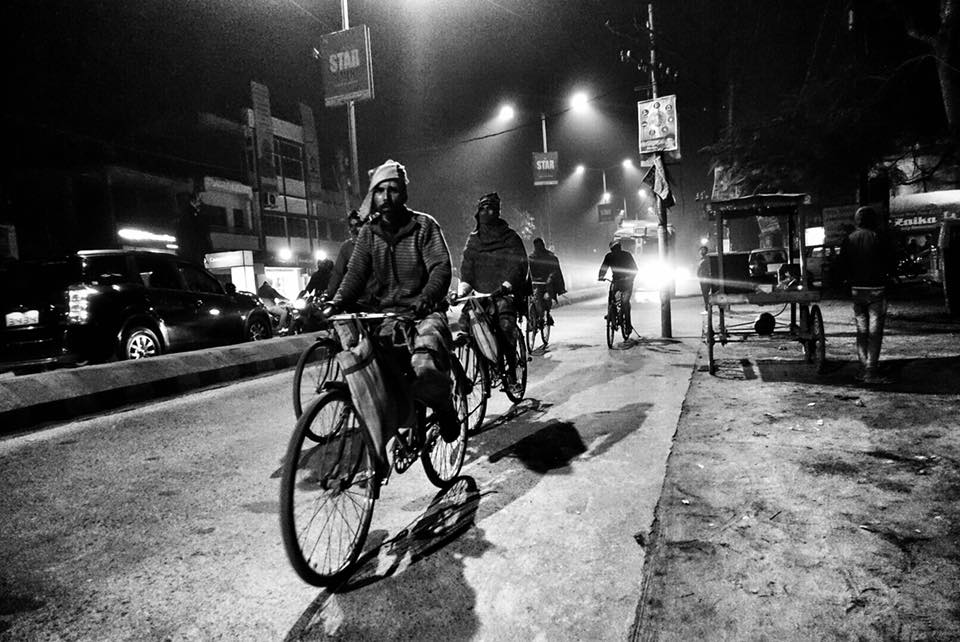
62,395
805,507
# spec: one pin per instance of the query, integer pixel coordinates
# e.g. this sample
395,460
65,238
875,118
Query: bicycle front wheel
327,491
316,366
477,383
442,460
518,388
545,331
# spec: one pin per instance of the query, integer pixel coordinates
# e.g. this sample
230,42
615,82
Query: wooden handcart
805,322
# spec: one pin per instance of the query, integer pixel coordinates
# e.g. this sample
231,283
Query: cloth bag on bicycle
482,330
368,386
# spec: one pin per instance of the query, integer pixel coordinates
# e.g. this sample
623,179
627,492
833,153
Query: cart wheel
816,347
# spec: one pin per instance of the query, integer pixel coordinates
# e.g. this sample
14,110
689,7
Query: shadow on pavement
410,586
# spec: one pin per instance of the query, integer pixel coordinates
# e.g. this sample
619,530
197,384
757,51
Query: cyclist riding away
545,268
401,255
623,271
495,261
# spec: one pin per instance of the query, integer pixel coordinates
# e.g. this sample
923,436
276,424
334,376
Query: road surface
161,522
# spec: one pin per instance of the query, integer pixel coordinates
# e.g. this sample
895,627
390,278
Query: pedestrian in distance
623,272
705,276
867,262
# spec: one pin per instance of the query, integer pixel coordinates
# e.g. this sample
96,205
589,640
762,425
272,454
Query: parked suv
97,305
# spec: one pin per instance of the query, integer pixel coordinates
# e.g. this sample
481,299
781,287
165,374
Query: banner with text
346,66
546,168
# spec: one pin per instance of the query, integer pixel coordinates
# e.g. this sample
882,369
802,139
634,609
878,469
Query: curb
32,400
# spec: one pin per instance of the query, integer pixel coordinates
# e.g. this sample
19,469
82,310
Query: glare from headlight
299,304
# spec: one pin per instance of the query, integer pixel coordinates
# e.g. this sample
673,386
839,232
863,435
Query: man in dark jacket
354,223
495,260
623,270
866,262
402,256
545,268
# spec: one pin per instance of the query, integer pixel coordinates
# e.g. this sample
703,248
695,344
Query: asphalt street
160,522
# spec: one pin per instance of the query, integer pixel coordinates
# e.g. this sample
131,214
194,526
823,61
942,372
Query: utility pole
666,321
351,117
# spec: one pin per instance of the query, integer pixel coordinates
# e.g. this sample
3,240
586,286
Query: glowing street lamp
579,102
506,113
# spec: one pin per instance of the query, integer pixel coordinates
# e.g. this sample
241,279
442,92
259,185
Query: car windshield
32,277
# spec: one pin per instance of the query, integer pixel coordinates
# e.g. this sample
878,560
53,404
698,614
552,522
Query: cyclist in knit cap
401,263
495,261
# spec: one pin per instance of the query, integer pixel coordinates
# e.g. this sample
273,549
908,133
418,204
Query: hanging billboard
346,66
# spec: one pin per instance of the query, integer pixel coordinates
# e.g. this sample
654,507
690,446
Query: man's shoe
448,421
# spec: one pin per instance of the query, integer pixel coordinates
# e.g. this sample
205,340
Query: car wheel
258,328
139,343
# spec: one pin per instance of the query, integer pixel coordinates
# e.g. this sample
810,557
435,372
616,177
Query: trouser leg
877,314
431,360
862,321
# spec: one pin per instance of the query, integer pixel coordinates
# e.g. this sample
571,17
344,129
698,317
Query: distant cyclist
623,271
545,268
495,260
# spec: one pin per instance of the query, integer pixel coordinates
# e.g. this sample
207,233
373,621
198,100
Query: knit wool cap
390,170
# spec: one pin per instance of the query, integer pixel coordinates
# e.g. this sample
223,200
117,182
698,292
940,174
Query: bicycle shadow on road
387,597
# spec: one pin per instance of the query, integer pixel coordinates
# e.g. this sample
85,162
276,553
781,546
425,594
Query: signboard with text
657,121
607,212
346,66
546,168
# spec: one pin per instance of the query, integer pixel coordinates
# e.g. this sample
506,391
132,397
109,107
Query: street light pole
547,232
351,117
666,322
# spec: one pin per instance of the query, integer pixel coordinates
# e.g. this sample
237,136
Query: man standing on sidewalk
866,262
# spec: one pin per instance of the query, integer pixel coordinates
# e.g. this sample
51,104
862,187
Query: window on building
274,226
298,228
240,219
288,158
214,214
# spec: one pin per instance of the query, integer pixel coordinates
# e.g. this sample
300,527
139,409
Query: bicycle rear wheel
477,382
316,366
443,460
533,322
518,388
624,322
611,318
328,489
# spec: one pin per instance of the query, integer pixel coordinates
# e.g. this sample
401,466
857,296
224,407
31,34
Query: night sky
115,69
